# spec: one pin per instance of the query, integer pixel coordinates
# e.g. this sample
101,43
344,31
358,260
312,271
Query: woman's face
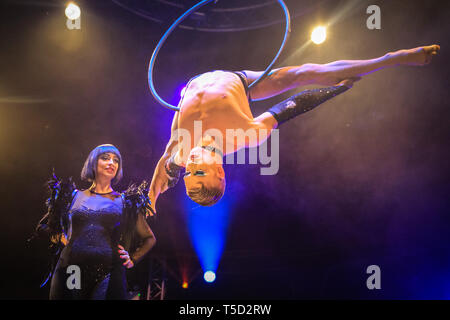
107,165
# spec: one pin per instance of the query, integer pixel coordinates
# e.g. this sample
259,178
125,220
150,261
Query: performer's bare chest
215,102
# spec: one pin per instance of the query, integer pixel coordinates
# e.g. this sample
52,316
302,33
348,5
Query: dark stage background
363,180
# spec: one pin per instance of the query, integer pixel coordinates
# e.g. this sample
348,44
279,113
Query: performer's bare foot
419,56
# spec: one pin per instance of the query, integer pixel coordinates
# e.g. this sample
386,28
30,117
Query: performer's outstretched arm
166,172
287,78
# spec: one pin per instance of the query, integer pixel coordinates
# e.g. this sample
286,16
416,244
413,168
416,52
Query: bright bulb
209,276
72,11
319,35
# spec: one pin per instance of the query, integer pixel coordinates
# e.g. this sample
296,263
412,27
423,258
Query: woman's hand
124,255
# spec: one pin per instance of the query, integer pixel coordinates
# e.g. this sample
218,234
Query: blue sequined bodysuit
93,235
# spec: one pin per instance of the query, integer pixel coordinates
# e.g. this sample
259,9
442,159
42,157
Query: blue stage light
209,276
207,230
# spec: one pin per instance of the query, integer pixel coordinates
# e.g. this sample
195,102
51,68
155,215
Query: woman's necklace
100,194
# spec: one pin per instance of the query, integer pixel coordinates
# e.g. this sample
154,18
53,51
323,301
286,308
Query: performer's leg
298,104
334,72
287,78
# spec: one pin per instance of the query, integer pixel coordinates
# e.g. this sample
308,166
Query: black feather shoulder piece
54,223
61,194
58,203
136,198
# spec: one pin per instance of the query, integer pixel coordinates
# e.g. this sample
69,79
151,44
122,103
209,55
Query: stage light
185,285
72,11
208,229
319,35
209,276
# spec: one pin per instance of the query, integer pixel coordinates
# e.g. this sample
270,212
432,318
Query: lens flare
72,11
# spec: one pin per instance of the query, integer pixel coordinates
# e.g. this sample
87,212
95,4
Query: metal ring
184,16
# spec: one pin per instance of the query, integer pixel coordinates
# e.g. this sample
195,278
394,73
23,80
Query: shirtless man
220,100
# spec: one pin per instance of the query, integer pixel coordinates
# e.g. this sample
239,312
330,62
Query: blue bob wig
90,165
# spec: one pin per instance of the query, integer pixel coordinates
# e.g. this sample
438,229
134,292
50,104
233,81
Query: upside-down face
204,176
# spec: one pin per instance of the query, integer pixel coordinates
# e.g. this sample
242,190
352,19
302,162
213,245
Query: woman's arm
149,240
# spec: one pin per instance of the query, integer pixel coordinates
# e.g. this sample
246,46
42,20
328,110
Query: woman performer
97,232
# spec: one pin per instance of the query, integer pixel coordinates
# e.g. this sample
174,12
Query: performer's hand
150,213
349,82
124,255
173,173
165,183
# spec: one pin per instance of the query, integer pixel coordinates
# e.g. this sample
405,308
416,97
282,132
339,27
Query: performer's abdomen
218,100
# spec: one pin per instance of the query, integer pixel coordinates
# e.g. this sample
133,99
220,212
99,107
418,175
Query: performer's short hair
207,197
90,165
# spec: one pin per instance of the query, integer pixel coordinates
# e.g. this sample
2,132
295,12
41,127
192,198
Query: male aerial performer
220,100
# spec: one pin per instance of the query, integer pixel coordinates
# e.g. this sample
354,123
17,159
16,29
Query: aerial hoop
184,16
